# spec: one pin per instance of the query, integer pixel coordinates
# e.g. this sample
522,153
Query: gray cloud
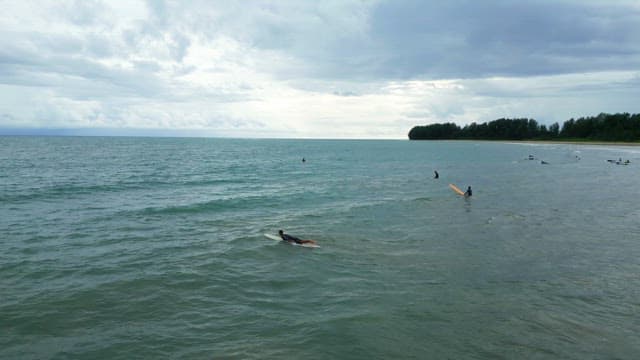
460,39
76,75
466,38
84,12
423,39
380,40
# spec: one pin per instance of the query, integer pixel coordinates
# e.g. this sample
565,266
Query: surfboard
277,238
456,190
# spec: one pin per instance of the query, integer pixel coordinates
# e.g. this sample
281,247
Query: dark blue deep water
151,248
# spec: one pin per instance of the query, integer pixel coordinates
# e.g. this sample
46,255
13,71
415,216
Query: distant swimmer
468,193
304,160
436,176
293,239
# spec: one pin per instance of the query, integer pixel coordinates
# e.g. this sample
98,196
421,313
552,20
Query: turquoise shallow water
120,248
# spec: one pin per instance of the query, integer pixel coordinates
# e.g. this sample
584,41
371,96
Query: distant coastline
579,142
619,129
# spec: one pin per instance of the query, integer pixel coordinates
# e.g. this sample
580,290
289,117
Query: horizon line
156,133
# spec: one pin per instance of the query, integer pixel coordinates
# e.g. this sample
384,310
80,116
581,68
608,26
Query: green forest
604,127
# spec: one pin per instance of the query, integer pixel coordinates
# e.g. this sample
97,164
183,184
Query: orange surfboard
456,190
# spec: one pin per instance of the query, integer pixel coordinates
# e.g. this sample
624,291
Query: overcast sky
312,69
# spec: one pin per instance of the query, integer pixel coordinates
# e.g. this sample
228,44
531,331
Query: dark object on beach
620,162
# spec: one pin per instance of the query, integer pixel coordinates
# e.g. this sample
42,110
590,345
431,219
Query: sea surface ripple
149,248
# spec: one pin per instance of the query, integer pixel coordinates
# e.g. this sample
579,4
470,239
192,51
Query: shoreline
564,142
568,142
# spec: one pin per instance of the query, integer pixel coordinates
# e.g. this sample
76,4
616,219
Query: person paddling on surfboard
289,238
468,192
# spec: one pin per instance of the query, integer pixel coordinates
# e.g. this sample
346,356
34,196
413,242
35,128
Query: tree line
604,127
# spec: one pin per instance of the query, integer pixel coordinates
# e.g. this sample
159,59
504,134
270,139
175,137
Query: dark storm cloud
470,39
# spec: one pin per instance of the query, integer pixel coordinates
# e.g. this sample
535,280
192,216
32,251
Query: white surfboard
277,238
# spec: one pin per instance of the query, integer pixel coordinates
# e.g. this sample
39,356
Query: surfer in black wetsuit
436,174
293,239
468,192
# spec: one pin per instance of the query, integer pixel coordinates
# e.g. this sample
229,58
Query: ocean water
153,248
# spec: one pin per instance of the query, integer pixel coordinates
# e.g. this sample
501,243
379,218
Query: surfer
304,160
289,238
436,176
468,192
